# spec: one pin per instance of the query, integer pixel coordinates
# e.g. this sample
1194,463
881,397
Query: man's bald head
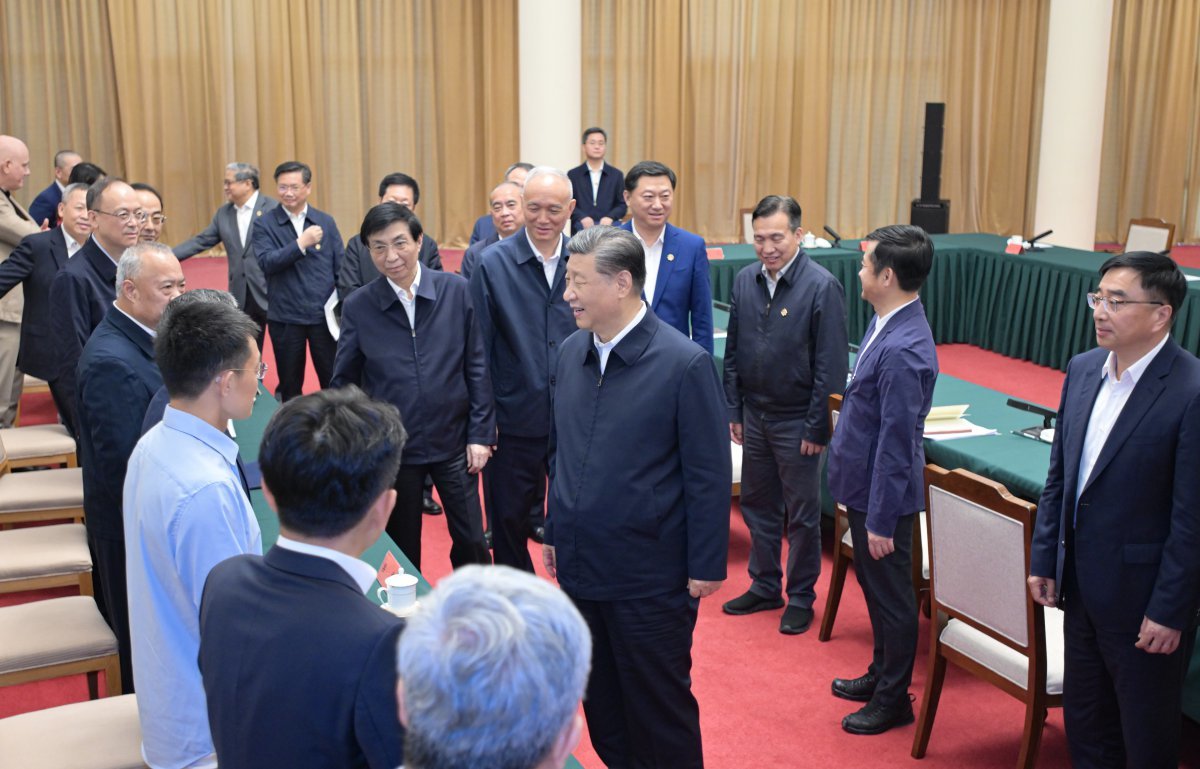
14,163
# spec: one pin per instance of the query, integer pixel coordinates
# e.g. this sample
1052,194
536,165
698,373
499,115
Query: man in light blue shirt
185,512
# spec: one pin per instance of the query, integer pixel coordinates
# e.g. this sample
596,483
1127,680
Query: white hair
549,171
131,261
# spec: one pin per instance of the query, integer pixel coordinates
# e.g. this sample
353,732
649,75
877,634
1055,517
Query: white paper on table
330,319
962,429
1191,277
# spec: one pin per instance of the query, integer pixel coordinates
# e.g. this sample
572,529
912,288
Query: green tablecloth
1029,306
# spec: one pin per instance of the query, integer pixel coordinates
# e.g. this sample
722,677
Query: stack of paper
946,423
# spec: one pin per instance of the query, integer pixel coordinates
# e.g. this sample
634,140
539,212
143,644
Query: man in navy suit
1118,524
300,251
33,265
508,217
117,379
232,226
677,283
44,207
877,466
298,666
637,530
84,289
440,381
517,288
599,187
484,226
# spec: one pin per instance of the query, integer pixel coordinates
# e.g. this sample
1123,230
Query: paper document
947,423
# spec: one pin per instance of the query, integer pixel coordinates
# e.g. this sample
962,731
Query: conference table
1030,306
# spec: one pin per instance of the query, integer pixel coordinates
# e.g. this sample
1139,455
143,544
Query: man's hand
1042,590
735,432
1154,638
699,588
586,222
606,220
477,457
808,448
879,546
45,224
549,561
310,237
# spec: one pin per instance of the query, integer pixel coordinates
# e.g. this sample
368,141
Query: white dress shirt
245,214
773,282
880,322
408,299
360,571
595,174
298,219
604,348
549,263
73,245
653,259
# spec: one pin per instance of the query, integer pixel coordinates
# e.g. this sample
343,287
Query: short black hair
1160,276
86,173
385,215
773,204
96,191
327,456
907,250
593,130
400,180
614,250
143,187
291,167
647,168
199,338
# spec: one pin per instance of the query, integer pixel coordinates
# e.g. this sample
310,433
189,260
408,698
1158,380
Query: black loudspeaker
930,212
934,218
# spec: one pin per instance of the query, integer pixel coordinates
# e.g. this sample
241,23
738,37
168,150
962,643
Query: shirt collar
114,261
196,427
251,202
611,343
61,187
360,571
538,254
140,325
882,321
412,291
782,270
1136,369
661,236
301,216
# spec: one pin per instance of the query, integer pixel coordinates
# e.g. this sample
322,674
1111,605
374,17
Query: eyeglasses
291,187
158,219
383,249
123,216
259,372
1110,305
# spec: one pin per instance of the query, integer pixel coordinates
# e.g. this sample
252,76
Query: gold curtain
823,100
1151,154
169,91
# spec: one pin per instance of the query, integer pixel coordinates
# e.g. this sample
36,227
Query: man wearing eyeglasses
1118,524
84,289
152,205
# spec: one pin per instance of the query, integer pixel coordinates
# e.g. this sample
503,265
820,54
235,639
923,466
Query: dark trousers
639,705
781,496
289,340
108,577
888,589
514,481
64,402
459,491
1121,705
258,315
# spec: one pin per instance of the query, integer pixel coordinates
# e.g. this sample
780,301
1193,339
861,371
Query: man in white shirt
599,187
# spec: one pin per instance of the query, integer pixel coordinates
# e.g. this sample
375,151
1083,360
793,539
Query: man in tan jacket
15,224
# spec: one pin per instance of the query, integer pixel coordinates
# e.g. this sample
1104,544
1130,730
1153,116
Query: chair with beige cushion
31,385
100,734
38,446
58,637
1150,235
38,557
980,537
39,495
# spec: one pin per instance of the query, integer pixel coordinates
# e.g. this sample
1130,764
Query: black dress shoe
538,535
748,603
429,507
858,689
876,719
795,620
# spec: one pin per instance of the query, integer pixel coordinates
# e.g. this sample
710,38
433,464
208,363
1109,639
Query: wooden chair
39,446
980,538
39,495
30,385
100,734
1149,235
843,551
58,637
37,557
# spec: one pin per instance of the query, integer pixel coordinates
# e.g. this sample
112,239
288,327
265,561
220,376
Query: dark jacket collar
632,346
310,567
131,329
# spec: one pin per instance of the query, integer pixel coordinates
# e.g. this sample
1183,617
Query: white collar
782,270
611,343
662,235
141,325
360,571
249,204
412,290
557,251
1134,370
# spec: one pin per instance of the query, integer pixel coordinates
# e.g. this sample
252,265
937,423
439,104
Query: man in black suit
300,251
33,265
507,216
152,206
484,227
1118,524
232,226
599,187
44,207
637,530
84,289
117,378
298,666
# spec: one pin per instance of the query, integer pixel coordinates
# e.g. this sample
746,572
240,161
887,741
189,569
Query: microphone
1036,238
838,238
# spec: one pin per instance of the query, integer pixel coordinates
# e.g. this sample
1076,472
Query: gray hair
614,249
494,665
550,171
131,261
73,188
61,156
243,172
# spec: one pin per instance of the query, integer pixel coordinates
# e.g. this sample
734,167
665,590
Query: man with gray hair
231,226
484,639
637,530
117,377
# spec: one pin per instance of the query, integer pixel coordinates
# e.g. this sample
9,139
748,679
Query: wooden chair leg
1035,719
929,704
112,677
86,586
837,579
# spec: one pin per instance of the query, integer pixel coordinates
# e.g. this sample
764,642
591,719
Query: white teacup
400,593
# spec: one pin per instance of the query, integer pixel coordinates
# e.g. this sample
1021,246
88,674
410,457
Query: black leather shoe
748,603
858,689
538,535
429,507
795,620
875,719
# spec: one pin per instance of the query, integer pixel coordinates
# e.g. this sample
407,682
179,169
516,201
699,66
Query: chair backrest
746,222
1149,235
835,410
980,537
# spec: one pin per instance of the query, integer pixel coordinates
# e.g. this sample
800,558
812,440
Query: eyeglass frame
259,372
1113,305
138,215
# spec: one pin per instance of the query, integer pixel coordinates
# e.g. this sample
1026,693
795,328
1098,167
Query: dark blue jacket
474,252
786,354
34,264
640,469
117,379
609,200
877,455
683,294
45,206
358,268
298,282
437,376
1133,531
523,323
81,294
263,619
484,228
